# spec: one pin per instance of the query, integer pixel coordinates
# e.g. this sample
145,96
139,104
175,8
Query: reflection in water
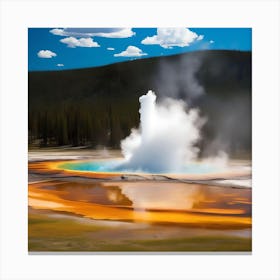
172,203
160,196
157,196
191,197
91,192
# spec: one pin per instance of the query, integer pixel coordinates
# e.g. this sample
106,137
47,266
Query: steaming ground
167,137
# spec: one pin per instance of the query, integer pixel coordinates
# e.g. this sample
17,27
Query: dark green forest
99,106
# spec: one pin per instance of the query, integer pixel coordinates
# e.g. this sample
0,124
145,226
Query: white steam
166,139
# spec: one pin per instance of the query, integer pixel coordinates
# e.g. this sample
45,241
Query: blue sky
71,48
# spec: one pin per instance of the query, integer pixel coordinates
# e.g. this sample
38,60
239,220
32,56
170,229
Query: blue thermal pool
117,166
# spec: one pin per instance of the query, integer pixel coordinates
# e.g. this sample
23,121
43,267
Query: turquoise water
116,166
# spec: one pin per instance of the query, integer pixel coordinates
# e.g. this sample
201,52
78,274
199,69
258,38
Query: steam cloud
226,130
166,139
178,80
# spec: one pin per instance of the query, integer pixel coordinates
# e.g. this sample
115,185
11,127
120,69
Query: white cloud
131,51
57,31
73,42
211,42
94,32
46,54
172,37
123,33
60,65
110,49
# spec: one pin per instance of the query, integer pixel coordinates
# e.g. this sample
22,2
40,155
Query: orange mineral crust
54,168
151,202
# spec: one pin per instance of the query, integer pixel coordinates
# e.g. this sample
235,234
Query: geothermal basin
155,194
79,202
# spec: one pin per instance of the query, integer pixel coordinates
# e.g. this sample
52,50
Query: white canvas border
262,16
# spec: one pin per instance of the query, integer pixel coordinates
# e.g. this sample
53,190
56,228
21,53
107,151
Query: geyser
165,141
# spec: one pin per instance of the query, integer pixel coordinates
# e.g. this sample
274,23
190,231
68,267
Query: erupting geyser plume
166,139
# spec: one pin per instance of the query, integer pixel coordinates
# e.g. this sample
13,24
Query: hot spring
164,143
119,166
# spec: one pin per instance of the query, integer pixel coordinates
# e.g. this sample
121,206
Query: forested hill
99,106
